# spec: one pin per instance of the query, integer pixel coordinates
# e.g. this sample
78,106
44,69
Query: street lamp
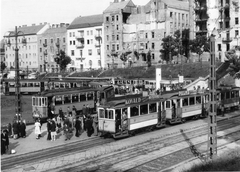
16,34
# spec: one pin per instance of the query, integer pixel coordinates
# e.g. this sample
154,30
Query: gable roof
55,30
86,21
116,6
29,30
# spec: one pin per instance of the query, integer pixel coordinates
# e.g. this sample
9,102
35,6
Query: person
69,111
74,114
60,112
38,129
95,125
66,130
84,110
58,121
15,129
78,126
84,117
87,110
22,127
70,120
89,126
9,130
53,130
49,129
4,141
222,110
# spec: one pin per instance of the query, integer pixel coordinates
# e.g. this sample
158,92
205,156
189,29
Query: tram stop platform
31,144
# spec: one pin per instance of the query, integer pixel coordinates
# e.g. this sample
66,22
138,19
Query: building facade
2,50
85,43
28,55
137,30
50,43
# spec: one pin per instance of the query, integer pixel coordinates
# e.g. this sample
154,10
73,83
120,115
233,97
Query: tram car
121,118
47,103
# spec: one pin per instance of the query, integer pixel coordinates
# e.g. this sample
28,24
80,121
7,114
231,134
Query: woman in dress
38,129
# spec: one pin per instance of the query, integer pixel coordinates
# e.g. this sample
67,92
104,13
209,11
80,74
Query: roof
118,6
29,30
55,30
86,21
183,5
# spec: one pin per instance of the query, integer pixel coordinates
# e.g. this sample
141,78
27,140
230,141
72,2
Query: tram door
6,88
118,122
42,86
161,114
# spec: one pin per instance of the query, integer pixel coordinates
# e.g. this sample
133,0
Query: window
113,47
219,47
171,14
89,96
67,99
152,108
70,42
75,98
236,33
40,50
90,52
110,114
91,41
143,109
72,52
117,46
98,52
73,42
83,97
198,100
227,95
107,38
146,45
228,47
64,40
232,94
58,100
134,111
107,47
152,34
88,41
113,37
117,37
70,34
146,35
91,32
73,34
192,100
107,19
153,45
51,41
153,56
117,17
185,102
117,27
112,18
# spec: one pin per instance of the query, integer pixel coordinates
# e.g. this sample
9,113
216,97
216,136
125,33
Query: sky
27,12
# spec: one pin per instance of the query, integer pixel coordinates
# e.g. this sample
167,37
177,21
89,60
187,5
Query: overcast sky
26,12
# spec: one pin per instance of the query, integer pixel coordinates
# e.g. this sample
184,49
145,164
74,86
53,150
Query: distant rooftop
116,6
177,4
29,30
87,21
55,30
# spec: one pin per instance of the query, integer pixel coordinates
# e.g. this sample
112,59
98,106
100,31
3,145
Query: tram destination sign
133,100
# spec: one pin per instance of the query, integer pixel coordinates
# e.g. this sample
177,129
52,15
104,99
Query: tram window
237,93
90,96
24,84
115,82
67,85
143,109
232,94
36,84
40,102
118,114
101,113
30,84
192,100
152,108
75,98
198,100
134,111
56,85
83,97
11,85
62,85
58,100
168,104
227,95
33,101
36,101
43,101
102,96
128,82
207,98
110,114
124,113
178,102
67,99
185,102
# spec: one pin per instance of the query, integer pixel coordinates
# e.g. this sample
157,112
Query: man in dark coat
4,142
84,110
78,126
22,129
15,129
61,113
89,127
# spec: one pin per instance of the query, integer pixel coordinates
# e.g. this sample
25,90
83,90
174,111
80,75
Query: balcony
201,8
79,37
201,19
79,45
227,39
97,45
98,37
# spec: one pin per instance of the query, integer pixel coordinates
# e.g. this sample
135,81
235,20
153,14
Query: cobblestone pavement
30,144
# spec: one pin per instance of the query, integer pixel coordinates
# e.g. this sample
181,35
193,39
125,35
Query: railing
227,39
79,37
79,45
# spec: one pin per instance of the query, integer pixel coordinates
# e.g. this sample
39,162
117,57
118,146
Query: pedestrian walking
22,127
89,127
222,110
53,130
69,111
60,112
78,126
58,121
49,129
38,129
4,141
10,130
95,126
67,133
15,129
70,121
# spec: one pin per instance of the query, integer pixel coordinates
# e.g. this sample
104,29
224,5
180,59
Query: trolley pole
212,123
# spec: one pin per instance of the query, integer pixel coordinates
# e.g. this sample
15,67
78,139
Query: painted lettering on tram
133,100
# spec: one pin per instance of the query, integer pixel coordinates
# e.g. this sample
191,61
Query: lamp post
16,34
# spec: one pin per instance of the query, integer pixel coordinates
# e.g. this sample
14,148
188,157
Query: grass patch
8,109
229,161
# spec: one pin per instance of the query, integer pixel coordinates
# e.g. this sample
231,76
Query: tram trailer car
47,103
123,118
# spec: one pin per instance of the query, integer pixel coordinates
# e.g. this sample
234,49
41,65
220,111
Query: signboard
133,100
180,79
158,78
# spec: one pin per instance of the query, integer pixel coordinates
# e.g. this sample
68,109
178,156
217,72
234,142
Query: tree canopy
199,45
3,66
234,67
62,60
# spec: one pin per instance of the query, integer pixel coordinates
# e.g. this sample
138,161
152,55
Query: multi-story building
28,55
85,43
50,43
138,30
2,50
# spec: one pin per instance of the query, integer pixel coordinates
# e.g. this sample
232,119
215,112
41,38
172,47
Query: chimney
62,24
33,24
57,25
67,24
20,26
53,25
45,22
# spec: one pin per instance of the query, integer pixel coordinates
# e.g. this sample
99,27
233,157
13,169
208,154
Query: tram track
105,162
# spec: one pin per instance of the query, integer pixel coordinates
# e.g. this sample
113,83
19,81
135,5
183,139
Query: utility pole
212,123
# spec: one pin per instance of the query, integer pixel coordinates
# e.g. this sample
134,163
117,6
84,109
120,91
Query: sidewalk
31,144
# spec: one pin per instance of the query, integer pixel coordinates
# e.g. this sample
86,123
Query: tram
125,117
47,103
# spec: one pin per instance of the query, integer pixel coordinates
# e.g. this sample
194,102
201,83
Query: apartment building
85,43
28,55
2,50
50,43
137,30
